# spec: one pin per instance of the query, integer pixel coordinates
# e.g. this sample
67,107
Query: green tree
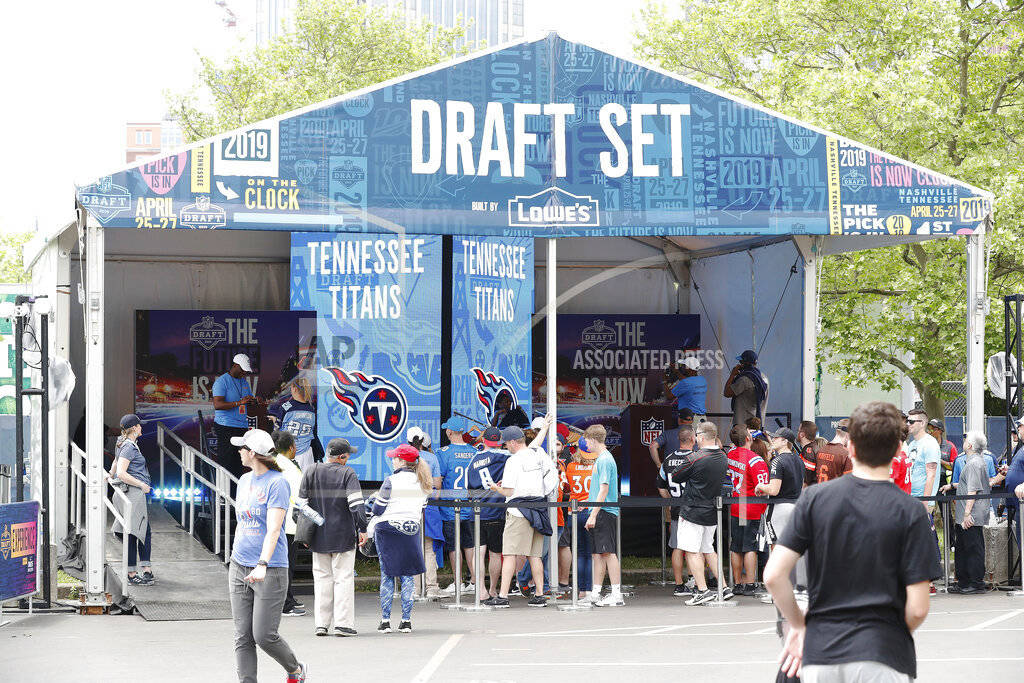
12,267
333,47
936,82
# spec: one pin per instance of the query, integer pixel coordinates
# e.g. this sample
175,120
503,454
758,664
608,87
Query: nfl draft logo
599,336
650,430
375,405
207,333
489,387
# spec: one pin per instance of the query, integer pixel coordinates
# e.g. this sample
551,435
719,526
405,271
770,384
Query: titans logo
376,406
489,387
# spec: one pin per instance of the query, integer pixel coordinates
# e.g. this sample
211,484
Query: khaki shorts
520,538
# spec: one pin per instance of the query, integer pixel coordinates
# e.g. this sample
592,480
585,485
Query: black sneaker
139,580
498,603
343,631
294,612
700,597
538,601
321,631
405,626
384,627
149,575
681,590
739,589
515,592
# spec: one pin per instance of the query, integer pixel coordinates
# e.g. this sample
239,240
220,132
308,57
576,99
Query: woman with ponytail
396,531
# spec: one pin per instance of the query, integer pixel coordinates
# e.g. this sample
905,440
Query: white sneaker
450,590
467,588
593,597
612,600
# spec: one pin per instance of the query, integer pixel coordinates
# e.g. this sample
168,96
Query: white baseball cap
256,440
243,361
692,362
538,423
414,432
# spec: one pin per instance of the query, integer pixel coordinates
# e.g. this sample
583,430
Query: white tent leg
95,510
977,299
810,249
552,394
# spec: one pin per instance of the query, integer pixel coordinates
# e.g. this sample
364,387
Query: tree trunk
934,404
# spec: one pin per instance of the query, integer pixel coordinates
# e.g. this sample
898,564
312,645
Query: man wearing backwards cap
453,461
231,395
485,469
747,386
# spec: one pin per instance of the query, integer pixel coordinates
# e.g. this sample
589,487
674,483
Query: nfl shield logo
650,430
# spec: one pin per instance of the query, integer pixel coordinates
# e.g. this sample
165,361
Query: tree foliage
12,267
936,82
333,47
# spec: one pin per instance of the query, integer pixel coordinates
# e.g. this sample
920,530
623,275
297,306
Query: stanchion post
457,605
664,551
720,600
477,606
574,506
946,529
1020,551
422,597
627,590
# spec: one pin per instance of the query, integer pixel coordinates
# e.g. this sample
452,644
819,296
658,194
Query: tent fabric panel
578,142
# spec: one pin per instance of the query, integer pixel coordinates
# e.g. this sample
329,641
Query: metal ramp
191,582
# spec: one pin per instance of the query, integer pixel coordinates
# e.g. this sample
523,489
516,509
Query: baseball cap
404,452
130,420
455,423
242,361
784,433
685,414
748,356
340,446
538,423
492,436
256,440
937,424
512,433
588,449
414,431
691,362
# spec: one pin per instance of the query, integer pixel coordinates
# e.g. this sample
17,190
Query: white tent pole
810,333
977,298
95,510
552,395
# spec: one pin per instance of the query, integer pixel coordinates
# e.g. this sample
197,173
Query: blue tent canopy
547,138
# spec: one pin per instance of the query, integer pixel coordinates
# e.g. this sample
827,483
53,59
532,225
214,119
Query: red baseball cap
405,452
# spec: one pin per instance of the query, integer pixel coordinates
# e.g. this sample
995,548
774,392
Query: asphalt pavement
655,636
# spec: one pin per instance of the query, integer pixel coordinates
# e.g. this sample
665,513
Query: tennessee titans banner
492,305
538,138
378,308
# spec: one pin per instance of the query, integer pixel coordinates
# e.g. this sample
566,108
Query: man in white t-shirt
530,475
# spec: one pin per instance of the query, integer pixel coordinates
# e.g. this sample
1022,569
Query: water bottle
311,514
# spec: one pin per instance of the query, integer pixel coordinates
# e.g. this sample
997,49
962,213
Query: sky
76,71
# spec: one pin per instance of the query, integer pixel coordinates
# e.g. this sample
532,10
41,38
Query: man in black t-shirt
868,581
670,489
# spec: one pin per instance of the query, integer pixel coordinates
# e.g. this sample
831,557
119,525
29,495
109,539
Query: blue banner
378,305
541,138
492,306
19,524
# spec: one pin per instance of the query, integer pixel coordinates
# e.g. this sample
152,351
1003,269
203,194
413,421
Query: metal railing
78,482
220,488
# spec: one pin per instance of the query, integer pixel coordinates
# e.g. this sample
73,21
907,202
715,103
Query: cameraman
688,388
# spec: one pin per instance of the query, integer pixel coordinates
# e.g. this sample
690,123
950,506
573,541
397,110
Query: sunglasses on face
910,422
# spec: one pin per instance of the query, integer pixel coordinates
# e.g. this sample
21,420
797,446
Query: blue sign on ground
541,138
19,523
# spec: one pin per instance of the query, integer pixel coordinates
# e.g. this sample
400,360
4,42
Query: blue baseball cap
455,423
512,433
130,420
748,356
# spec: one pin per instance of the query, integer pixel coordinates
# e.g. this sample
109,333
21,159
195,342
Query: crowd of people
790,496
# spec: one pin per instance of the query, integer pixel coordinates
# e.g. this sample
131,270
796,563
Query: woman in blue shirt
130,473
298,416
258,576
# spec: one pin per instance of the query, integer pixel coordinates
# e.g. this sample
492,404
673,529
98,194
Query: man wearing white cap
231,395
690,389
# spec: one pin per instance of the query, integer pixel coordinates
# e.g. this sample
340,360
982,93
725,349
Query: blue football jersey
299,419
486,468
454,462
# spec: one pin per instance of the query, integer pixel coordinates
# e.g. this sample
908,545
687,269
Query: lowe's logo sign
553,207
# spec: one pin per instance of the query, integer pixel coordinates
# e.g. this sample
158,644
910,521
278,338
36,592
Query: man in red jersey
747,469
899,470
